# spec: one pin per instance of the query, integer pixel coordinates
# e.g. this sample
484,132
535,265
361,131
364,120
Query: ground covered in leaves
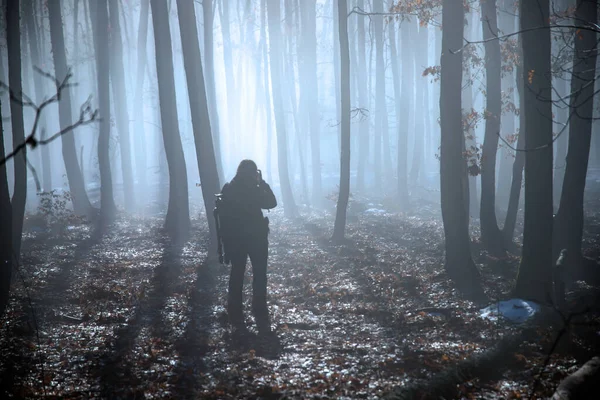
127,315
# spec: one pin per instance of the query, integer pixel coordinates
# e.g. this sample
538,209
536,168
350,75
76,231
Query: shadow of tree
115,370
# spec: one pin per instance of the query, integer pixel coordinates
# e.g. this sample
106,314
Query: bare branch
87,113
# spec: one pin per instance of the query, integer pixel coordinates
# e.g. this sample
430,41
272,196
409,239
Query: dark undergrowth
129,315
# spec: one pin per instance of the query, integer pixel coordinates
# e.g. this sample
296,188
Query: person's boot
261,315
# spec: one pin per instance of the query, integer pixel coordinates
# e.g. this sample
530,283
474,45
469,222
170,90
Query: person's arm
266,198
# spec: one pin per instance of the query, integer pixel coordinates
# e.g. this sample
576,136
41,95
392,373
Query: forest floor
126,315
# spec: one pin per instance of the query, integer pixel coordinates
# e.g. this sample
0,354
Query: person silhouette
244,231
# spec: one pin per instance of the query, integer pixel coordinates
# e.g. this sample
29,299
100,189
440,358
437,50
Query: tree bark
490,233
275,51
310,86
140,154
177,221
363,100
209,66
13,39
268,104
380,103
81,203
534,278
420,60
205,154
568,225
401,123
459,263
582,384
34,51
99,17
342,204
6,236
117,74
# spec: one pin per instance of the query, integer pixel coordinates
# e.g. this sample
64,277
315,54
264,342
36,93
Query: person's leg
236,284
258,256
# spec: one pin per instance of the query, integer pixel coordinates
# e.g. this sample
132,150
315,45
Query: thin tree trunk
209,66
268,106
562,116
177,221
230,82
459,263
568,226
400,123
34,50
6,234
534,279
380,107
117,74
342,204
140,142
490,233
13,39
205,155
311,87
99,17
363,101
420,114
407,105
275,51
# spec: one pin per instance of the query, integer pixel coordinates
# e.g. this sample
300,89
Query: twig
87,114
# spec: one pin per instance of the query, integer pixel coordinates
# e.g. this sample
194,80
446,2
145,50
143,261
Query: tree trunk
420,114
177,221
268,105
401,123
568,226
13,39
6,250
407,32
562,118
117,74
311,87
380,107
459,263
508,230
209,66
275,51
205,155
81,203
342,204
34,51
490,233
582,384
140,140
230,83
99,17
534,278
363,100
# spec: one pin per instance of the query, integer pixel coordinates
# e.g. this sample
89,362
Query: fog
246,126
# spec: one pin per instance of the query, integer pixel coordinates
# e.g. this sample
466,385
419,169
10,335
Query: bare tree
99,17
177,221
117,73
13,39
568,224
276,49
459,263
205,154
140,154
6,234
342,204
209,68
490,233
534,280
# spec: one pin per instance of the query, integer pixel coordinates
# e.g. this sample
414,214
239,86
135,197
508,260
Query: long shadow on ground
116,371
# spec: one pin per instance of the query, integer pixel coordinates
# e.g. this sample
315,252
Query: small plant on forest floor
56,212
